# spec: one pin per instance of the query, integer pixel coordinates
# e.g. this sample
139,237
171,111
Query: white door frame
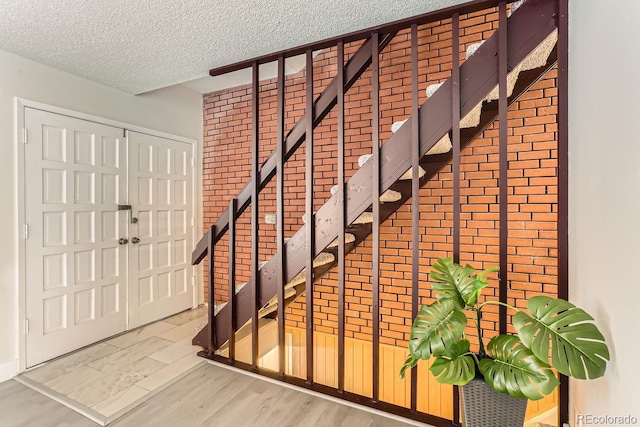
21,104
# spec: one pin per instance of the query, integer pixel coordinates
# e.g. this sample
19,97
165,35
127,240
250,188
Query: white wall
604,219
174,110
604,179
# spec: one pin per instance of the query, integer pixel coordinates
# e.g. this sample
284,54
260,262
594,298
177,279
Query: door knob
135,240
123,241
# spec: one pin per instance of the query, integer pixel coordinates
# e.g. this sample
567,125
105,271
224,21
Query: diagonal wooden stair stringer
530,27
354,68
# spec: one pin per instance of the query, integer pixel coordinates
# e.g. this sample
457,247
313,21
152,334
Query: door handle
135,240
128,208
123,241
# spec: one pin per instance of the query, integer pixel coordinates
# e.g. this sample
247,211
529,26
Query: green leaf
435,329
408,364
515,370
563,335
455,366
458,283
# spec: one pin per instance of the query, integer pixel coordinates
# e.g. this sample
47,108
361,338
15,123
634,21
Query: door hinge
26,326
26,231
25,136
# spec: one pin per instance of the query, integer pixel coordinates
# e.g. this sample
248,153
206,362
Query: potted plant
553,334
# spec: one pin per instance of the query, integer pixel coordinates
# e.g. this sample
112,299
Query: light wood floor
106,378
209,396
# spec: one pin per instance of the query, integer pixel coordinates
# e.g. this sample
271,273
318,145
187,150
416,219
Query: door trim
20,105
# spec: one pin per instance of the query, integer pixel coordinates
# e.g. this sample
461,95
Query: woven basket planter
485,407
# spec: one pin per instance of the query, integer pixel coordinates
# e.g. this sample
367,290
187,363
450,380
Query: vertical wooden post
212,296
455,131
342,219
563,178
280,215
311,220
233,209
504,165
375,275
415,199
255,191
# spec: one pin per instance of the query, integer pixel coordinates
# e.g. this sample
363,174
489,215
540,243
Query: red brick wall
532,255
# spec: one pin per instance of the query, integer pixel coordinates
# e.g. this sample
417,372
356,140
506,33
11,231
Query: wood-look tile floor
107,379
208,396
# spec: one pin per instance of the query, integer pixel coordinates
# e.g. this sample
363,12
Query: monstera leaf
455,366
457,283
408,364
559,332
436,328
515,370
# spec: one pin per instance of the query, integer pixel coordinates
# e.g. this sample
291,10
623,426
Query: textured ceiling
138,46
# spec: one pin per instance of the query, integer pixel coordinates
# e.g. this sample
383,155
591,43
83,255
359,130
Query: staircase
532,50
532,37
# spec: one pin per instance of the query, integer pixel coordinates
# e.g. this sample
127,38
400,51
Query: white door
160,189
75,177
86,279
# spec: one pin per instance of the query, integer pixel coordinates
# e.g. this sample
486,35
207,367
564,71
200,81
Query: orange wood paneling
433,398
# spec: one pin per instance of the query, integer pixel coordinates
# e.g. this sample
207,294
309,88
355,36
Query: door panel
75,176
160,186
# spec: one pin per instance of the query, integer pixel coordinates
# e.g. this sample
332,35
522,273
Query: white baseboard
8,370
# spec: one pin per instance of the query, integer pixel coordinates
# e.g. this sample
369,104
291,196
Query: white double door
108,229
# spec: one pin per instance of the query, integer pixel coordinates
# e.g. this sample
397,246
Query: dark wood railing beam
392,27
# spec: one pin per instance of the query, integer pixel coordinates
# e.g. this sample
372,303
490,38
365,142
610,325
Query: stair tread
323,259
270,218
304,217
397,125
348,238
364,218
386,197
272,305
432,89
536,58
473,48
